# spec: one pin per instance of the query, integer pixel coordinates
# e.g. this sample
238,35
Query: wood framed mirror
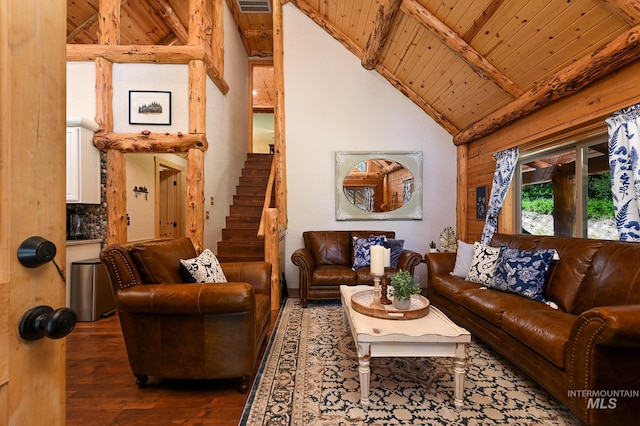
378,185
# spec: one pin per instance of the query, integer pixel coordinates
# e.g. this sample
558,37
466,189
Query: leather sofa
178,330
582,352
326,262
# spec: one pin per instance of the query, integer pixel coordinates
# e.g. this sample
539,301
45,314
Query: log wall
578,115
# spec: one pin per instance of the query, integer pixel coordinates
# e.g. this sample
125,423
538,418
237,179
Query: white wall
227,134
333,104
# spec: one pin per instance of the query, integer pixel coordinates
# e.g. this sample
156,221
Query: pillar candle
387,257
377,260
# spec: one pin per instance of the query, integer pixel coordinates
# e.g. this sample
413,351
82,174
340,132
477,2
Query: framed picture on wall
149,107
481,202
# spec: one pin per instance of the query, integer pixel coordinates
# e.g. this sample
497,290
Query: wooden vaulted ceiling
471,65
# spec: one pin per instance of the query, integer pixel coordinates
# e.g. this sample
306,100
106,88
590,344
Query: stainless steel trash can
91,295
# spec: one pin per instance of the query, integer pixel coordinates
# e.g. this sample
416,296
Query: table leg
364,370
459,374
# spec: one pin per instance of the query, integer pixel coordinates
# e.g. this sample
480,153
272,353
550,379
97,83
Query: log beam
453,41
622,50
168,15
135,54
385,18
628,10
147,141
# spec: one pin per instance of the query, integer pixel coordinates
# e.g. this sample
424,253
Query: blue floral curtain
624,147
505,166
369,198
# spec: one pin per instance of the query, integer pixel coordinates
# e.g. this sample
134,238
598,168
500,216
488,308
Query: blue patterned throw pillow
361,250
522,272
396,247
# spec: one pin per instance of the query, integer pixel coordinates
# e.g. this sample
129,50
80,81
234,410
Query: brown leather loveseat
586,352
188,331
326,262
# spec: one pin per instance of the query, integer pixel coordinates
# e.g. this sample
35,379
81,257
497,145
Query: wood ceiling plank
460,47
508,21
399,43
623,50
601,33
539,51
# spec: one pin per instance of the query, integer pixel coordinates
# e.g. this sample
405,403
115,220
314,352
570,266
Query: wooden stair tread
240,241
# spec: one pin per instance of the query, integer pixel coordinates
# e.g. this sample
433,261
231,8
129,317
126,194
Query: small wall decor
481,202
141,190
149,107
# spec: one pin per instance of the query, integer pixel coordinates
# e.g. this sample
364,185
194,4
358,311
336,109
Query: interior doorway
262,104
169,200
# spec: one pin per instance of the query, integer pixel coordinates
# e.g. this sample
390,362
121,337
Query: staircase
240,242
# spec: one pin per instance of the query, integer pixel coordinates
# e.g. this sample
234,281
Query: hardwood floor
101,389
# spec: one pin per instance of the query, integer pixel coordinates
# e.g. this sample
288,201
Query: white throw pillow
464,257
204,268
483,264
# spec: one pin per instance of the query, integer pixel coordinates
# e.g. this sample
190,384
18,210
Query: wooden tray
362,302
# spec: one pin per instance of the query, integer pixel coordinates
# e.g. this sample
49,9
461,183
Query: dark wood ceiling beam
460,47
614,55
385,18
391,78
629,10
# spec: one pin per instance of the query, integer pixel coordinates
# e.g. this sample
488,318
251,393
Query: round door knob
43,321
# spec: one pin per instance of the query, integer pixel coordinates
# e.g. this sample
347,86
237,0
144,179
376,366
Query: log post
462,205
197,124
564,200
279,122
272,255
116,198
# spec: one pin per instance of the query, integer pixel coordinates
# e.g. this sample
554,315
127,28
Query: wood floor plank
101,389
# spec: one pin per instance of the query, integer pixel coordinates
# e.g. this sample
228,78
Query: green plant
403,285
432,245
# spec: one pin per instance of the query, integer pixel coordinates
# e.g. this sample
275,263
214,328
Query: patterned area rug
309,376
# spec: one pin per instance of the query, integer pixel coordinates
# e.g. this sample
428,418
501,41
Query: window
566,191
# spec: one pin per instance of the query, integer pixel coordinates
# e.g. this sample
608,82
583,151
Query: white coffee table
433,335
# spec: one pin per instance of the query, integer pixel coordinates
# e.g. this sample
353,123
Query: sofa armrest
302,258
258,274
408,260
617,325
187,299
440,263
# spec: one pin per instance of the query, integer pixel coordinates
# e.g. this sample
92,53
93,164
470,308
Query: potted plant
403,287
432,247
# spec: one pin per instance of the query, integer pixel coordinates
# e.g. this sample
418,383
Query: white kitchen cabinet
83,162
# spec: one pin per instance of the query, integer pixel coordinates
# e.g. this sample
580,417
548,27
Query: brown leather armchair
188,331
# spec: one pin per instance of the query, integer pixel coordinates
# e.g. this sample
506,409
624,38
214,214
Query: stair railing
268,230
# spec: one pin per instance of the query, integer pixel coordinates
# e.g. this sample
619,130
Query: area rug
309,376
